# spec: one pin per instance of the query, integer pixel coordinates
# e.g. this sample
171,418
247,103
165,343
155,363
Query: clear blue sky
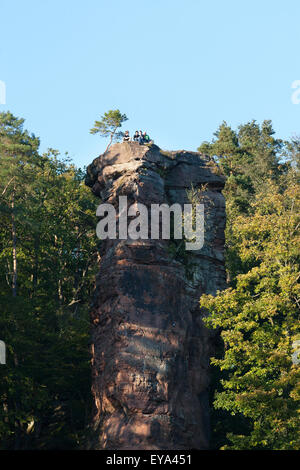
177,68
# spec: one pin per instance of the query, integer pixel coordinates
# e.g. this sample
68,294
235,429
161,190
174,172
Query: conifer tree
109,125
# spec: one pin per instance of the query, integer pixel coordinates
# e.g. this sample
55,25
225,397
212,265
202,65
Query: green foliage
246,157
110,122
48,262
162,172
177,247
45,386
257,382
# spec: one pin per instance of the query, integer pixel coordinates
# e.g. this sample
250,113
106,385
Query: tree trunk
36,262
59,281
111,139
14,245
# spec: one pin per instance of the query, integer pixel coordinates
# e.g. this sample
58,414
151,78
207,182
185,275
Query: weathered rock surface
150,348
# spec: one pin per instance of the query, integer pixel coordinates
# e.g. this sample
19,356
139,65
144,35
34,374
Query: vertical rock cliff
150,348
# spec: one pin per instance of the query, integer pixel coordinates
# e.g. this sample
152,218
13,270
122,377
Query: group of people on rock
139,136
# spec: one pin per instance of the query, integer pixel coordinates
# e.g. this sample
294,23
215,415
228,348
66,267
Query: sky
176,68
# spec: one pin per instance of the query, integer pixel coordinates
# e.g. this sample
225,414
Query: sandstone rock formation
150,348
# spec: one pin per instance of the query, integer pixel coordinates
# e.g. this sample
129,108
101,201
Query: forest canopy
257,372
48,254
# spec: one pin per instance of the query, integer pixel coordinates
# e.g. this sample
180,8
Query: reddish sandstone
150,348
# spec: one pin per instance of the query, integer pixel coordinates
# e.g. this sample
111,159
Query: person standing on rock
136,136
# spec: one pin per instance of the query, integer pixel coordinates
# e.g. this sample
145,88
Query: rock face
150,348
